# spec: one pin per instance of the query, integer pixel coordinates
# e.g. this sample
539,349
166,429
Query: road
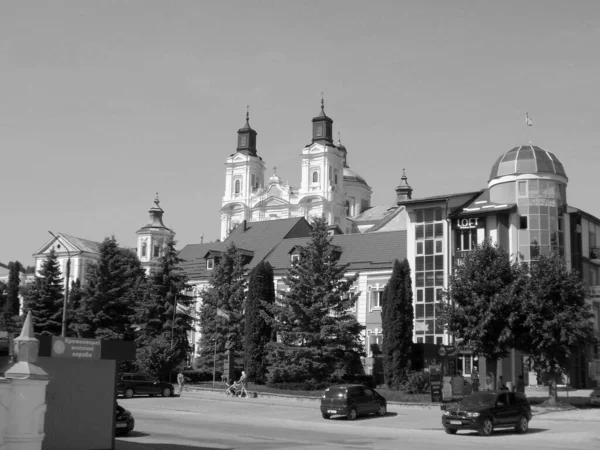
203,421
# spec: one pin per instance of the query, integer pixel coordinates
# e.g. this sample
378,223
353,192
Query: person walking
180,381
475,379
244,383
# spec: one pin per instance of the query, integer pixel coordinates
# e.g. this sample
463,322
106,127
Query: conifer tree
12,292
319,338
114,287
226,292
45,298
397,323
75,294
259,333
164,310
3,322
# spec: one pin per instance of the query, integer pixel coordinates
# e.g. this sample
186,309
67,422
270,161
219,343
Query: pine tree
114,287
259,333
45,298
319,338
75,295
12,292
226,292
165,309
397,322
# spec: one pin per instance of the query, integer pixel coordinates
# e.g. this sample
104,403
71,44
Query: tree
114,287
259,333
12,292
158,358
226,292
75,295
45,298
397,317
557,318
319,338
3,323
164,310
482,309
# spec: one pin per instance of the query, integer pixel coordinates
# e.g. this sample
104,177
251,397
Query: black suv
131,384
484,411
352,401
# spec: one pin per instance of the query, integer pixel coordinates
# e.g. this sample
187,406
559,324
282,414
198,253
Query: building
328,187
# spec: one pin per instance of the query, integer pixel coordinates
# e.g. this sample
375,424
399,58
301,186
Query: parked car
130,384
595,397
124,421
487,410
352,401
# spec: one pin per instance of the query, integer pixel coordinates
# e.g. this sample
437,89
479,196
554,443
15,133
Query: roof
527,159
352,175
257,237
374,213
481,205
83,245
375,251
454,200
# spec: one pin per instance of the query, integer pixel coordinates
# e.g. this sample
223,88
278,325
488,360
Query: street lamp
64,315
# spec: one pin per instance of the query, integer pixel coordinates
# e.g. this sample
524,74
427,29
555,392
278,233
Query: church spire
403,191
247,137
322,126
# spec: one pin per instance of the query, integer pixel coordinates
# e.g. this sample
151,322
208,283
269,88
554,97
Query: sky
105,103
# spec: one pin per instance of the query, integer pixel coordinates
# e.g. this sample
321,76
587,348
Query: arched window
315,177
144,250
237,186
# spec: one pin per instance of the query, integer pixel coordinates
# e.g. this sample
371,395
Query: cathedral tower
153,237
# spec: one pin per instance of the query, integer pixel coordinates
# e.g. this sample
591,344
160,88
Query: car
124,420
352,401
595,397
487,410
130,384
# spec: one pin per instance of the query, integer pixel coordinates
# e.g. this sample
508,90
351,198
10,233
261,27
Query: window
315,177
156,253
144,250
376,298
210,264
347,207
237,186
295,258
522,188
350,294
466,240
523,223
336,178
375,339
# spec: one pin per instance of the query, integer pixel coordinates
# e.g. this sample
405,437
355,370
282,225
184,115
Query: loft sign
65,347
467,223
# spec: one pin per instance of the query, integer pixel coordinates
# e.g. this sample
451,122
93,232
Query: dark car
595,397
352,401
487,410
124,420
130,384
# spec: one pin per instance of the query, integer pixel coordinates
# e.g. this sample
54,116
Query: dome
352,175
527,159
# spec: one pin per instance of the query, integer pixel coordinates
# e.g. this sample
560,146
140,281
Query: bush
310,385
415,383
197,376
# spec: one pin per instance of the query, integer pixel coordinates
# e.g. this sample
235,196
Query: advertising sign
65,347
435,382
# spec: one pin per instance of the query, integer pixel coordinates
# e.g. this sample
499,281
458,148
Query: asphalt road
203,421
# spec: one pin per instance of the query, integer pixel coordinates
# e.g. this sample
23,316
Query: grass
391,395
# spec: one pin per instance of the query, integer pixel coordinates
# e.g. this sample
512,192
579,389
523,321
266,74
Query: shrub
416,383
197,376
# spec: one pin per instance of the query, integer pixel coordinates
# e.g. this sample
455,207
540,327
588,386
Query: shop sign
65,347
467,223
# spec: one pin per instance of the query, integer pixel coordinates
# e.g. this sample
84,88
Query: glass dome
527,159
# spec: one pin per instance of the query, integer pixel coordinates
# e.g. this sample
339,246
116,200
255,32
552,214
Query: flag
222,313
528,120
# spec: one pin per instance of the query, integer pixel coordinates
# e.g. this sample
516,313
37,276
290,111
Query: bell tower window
237,187
315,177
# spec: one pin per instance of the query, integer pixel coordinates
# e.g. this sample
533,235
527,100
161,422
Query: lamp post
64,315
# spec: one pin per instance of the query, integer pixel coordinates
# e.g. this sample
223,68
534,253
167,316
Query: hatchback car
352,401
130,384
124,422
487,410
595,397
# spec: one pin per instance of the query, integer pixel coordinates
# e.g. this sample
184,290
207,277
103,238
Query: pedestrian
180,381
244,383
520,386
475,379
501,385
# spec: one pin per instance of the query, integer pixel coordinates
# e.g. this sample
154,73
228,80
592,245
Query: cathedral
328,187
